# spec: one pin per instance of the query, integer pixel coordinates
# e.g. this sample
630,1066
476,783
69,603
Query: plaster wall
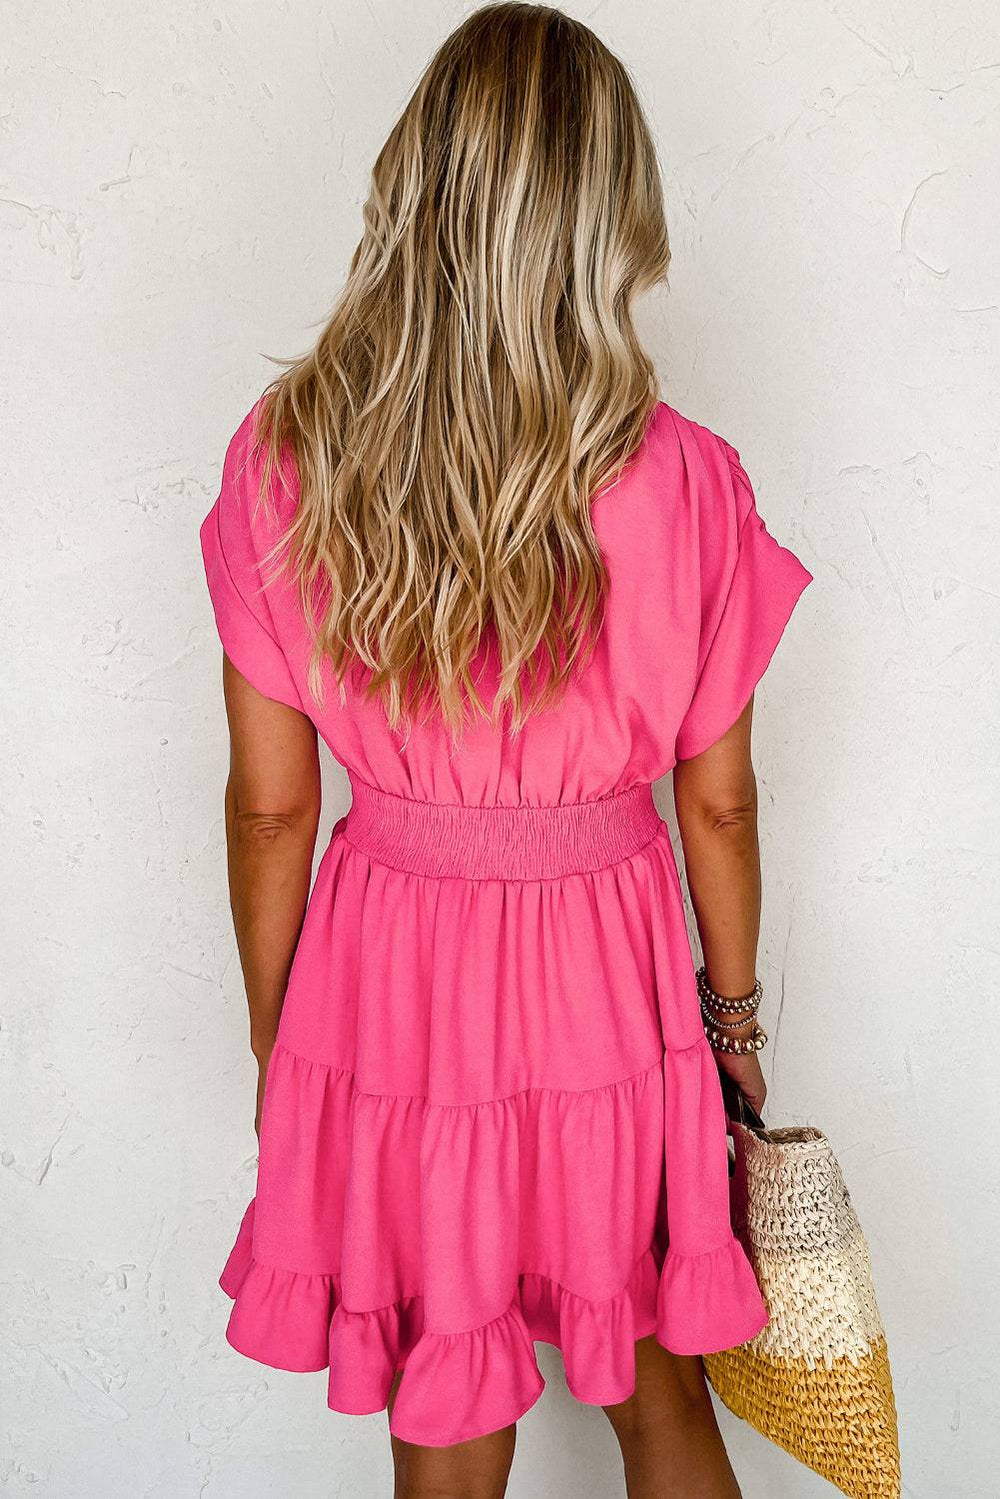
180,189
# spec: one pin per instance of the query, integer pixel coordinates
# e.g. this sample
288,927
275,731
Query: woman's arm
715,794
272,814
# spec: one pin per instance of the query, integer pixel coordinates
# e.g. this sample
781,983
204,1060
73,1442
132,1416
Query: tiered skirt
491,1119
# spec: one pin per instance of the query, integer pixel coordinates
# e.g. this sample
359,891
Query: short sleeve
747,602
229,545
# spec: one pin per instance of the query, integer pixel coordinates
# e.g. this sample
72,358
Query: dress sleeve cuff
767,582
246,640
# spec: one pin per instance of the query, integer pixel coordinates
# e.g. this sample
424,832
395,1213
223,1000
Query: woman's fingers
745,1072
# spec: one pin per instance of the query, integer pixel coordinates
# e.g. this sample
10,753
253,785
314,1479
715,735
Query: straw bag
816,1381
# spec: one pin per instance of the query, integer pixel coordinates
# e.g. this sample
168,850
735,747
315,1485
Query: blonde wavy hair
480,378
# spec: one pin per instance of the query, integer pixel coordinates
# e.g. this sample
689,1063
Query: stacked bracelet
723,1025
720,1032
737,1045
740,1006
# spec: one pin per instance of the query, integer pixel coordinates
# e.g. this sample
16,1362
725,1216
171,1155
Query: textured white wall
179,192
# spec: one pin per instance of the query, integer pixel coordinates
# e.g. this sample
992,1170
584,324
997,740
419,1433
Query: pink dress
492,1117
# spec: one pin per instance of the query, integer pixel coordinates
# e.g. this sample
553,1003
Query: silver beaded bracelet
723,1025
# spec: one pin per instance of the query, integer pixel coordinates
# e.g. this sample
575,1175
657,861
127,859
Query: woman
463,542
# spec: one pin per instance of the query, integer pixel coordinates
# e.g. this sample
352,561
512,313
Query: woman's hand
745,1072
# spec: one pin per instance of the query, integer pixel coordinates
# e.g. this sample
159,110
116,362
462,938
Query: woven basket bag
816,1381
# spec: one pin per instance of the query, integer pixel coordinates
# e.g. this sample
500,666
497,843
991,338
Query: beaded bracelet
723,1025
743,1004
737,1045
720,1032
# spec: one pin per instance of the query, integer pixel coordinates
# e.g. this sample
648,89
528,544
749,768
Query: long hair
480,378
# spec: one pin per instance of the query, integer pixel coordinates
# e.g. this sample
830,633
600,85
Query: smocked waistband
500,843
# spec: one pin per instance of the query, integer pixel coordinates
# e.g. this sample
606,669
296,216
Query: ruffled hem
465,1384
708,1302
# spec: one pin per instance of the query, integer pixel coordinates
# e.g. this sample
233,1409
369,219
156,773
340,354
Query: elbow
727,811
733,818
260,825
260,830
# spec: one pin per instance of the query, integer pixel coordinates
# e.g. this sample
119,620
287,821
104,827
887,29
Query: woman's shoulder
694,468
672,431
259,509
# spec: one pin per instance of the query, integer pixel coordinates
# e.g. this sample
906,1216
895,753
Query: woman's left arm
272,815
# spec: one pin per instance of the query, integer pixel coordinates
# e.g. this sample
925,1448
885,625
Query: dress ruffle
462,1319
708,1302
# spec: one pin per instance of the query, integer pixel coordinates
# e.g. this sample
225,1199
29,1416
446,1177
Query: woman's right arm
715,795
272,815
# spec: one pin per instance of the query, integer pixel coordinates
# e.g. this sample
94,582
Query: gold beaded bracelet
737,1045
719,1031
738,1006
